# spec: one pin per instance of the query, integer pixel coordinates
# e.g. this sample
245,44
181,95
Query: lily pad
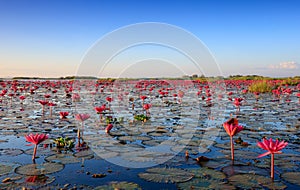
119,185
292,177
166,175
244,169
201,183
5,168
85,154
11,152
207,173
251,181
39,169
63,158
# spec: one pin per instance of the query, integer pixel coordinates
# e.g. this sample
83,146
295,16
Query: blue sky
50,38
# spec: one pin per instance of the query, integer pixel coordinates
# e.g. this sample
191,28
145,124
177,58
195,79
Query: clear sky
50,38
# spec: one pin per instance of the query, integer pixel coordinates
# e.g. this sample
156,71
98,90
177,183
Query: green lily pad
67,158
11,152
39,169
85,154
292,177
201,183
5,168
119,185
166,175
207,173
244,169
251,181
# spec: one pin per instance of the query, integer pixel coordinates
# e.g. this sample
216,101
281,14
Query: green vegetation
141,117
263,86
65,143
290,81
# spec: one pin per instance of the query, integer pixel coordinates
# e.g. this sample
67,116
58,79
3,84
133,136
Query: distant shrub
263,86
290,81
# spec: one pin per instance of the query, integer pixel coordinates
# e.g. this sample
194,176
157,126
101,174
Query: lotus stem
272,166
232,148
43,110
78,133
50,111
34,152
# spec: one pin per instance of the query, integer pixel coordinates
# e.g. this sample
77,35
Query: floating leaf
85,154
119,185
4,168
166,175
251,181
39,169
63,158
292,177
244,169
207,173
11,152
200,183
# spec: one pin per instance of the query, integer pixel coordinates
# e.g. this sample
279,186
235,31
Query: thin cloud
285,65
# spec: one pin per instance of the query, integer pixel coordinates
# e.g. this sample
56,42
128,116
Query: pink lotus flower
43,103
237,102
108,128
82,117
35,140
273,147
232,128
51,104
76,97
63,114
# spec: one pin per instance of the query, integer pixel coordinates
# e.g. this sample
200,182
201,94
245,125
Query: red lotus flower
237,102
108,128
63,114
51,104
245,91
109,99
232,128
35,140
273,147
143,97
22,98
147,106
43,102
100,109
